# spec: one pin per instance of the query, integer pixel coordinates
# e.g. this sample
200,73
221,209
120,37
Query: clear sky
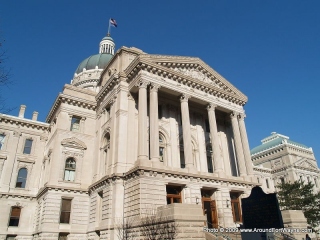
270,50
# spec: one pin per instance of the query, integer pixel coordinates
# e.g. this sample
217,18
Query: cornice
140,171
24,122
141,64
70,100
47,188
263,170
16,195
108,87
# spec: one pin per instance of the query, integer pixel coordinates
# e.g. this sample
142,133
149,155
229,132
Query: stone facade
123,139
280,159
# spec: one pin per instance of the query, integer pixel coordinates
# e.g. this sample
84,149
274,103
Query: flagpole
109,28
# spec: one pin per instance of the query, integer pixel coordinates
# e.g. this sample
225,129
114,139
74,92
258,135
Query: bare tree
125,229
4,78
158,227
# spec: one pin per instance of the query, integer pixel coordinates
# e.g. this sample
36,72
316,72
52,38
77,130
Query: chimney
22,110
35,116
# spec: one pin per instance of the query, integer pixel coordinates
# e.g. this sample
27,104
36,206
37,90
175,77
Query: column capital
154,87
142,84
184,97
211,107
234,115
241,116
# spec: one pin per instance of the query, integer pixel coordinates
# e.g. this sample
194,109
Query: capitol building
136,134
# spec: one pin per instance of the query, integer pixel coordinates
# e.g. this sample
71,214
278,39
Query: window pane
22,178
2,137
75,124
65,211
27,146
15,216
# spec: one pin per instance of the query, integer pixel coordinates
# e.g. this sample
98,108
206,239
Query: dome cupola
88,73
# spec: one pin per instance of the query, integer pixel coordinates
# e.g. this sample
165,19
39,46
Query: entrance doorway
209,209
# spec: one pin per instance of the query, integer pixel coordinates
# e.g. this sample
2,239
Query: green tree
300,196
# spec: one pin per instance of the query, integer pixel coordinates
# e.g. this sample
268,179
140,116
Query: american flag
113,22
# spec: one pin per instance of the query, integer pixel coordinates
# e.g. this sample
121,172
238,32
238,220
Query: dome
100,60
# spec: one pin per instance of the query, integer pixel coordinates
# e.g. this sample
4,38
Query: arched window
70,169
162,146
22,178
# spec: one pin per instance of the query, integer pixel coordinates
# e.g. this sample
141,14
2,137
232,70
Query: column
142,118
245,144
186,132
217,161
154,122
238,144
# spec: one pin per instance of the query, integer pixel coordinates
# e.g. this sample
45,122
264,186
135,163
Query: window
282,180
316,182
27,146
22,178
267,183
75,124
235,204
11,237
308,179
2,138
173,194
63,236
301,179
14,216
65,211
70,169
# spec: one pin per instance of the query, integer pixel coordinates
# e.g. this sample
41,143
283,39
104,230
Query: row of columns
237,121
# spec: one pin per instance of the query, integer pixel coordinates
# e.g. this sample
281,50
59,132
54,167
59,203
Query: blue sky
270,50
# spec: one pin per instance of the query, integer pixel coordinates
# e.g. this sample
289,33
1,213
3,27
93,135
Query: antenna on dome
112,22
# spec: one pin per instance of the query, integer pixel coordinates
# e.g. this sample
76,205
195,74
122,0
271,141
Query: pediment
304,163
192,72
73,143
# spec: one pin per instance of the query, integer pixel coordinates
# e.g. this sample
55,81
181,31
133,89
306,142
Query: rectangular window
63,236
11,237
65,211
236,208
316,182
173,194
282,180
27,146
2,138
75,124
267,183
14,216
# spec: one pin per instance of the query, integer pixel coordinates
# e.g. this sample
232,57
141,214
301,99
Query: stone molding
148,171
73,143
230,93
24,122
63,98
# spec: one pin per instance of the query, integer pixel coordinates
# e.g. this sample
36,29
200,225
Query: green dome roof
101,60
277,140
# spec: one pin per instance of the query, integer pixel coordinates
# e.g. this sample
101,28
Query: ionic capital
241,116
184,97
142,84
211,107
234,115
154,87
